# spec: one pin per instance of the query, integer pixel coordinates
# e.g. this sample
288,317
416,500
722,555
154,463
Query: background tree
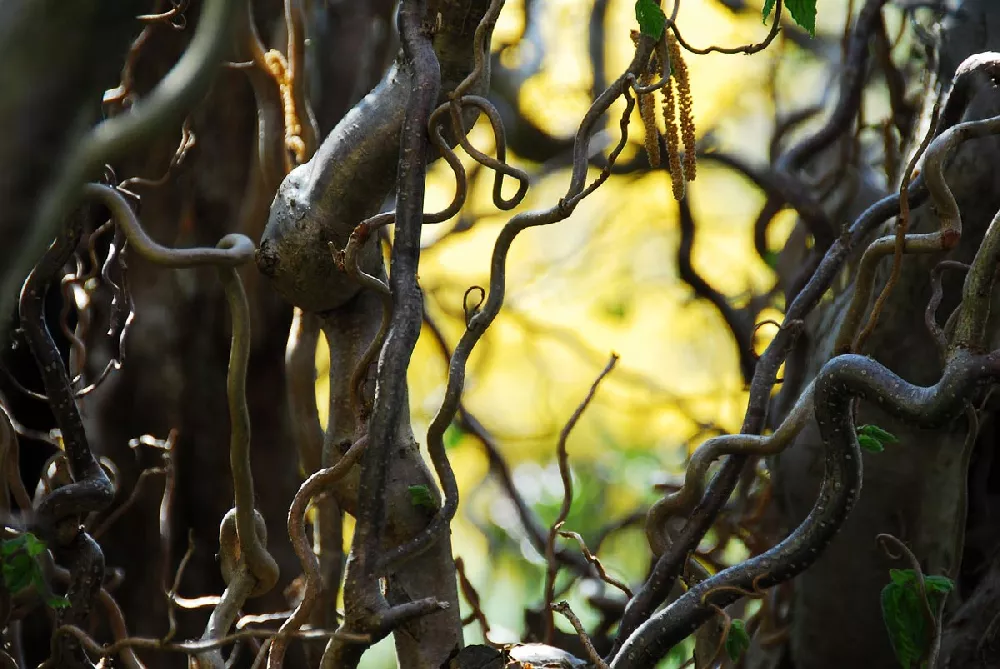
874,236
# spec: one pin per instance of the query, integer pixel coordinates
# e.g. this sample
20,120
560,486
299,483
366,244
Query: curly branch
567,501
841,380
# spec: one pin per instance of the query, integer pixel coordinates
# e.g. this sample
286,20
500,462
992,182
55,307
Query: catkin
673,154
680,75
647,111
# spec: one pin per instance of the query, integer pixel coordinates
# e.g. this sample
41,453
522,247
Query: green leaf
873,438
903,611
27,541
33,544
904,622
18,572
938,584
11,546
768,8
57,602
876,432
870,444
453,436
804,13
420,495
737,641
903,576
652,20
770,258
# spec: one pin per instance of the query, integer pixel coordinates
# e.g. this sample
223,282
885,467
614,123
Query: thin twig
567,501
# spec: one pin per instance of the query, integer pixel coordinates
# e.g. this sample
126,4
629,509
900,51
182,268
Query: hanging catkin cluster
678,120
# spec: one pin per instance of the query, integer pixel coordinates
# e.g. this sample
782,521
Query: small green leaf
804,13
33,544
875,431
11,546
737,641
904,622
453,436
768,8
870,444
651,18
770,258
938,584
903,576
420,495
57,602
903,611
873,438
18,572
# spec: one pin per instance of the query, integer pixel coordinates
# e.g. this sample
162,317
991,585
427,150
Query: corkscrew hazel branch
838,384
247,523
746,49
472,598
404,326
595,562
844,112
349,261
902,227
89,489
930,313
247,567
684,500
977,293
945,207
498,164
500,468
313,486
804,301
186,647
300,371
564,609
479,322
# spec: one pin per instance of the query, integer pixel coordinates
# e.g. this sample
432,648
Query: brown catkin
647,111
673,155
680,74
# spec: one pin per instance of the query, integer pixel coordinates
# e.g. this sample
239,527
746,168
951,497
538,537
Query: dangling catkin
680,75
647,111
673,155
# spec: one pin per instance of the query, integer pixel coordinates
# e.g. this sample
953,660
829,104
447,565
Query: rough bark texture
915,490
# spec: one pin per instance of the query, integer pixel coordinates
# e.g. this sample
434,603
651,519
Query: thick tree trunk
916,489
